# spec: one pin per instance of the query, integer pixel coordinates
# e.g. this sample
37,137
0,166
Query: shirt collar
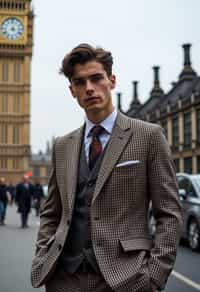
108,123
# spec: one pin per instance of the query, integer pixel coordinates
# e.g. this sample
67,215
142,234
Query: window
15,134
5,71
48,171
198,125
16,104
3,163
198,164
3,133
187,130
175,133
188,165
164,125
4,103
185,184
177,166
15,163
36,171
16,72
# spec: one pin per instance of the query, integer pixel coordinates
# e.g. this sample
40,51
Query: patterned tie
95,149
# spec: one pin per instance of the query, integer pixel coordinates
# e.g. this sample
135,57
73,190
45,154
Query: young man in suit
94,233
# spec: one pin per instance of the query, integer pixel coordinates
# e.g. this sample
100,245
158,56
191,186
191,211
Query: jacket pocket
137,243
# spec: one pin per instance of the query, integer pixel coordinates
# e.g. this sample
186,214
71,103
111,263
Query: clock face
12,28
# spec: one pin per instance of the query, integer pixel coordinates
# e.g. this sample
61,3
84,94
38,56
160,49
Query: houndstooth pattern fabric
126,254
78,282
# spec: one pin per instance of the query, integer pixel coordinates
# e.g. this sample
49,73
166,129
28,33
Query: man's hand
153,287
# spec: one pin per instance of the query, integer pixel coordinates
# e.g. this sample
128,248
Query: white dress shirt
107,124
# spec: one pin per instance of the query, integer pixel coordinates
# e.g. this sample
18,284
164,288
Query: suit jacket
127,255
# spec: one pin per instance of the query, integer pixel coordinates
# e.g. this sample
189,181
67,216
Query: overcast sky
140,34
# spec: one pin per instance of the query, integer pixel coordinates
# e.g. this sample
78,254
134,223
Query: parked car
45,190
189,191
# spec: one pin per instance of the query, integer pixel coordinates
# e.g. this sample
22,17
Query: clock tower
16,42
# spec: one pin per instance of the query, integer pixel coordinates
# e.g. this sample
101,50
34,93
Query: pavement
16,252
17,249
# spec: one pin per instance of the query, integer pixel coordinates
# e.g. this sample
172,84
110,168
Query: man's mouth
92,99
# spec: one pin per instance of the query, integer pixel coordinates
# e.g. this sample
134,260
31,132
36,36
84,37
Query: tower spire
156,90
187,72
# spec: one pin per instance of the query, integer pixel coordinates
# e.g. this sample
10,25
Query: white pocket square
129,162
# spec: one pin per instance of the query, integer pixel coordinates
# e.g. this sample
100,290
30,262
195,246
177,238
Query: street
17,248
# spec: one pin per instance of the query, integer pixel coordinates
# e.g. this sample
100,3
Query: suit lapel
120,136
71,166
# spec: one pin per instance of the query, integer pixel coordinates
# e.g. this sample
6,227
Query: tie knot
96,131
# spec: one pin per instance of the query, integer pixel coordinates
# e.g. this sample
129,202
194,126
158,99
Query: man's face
92,87
25,178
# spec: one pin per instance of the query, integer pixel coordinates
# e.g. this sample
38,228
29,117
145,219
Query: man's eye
96,78
79,82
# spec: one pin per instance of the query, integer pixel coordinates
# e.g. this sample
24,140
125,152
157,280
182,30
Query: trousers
77,282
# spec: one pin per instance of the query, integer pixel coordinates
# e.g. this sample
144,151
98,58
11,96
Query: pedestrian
38,196
93,233
4,200
12,191
23,198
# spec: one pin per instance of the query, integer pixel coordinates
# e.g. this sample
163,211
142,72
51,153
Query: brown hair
84,53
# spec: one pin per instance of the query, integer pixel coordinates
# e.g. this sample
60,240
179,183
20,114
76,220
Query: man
12,191
94,233
24,194
5,198
37,197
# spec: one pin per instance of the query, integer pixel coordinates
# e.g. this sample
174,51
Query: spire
135,104
156,90
187,73
119,101
48,148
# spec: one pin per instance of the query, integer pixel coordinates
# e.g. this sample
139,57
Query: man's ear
113,81
72,91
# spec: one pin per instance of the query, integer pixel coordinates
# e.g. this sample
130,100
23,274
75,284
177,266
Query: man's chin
93,108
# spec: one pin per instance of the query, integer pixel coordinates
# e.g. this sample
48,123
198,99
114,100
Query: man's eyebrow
91,75
76,78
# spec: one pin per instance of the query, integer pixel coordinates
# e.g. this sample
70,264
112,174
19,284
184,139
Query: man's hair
84,53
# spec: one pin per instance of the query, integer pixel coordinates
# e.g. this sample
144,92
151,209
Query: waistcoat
78,245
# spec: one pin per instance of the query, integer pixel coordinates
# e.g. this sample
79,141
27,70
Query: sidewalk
16,252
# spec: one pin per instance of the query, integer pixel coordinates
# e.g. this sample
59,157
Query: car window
185,184
196,182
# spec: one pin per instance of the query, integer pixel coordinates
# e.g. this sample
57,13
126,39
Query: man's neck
98,117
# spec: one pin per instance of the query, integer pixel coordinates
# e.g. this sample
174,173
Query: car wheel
194,235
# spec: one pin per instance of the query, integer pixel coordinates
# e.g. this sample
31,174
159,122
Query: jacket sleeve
51,210
166,208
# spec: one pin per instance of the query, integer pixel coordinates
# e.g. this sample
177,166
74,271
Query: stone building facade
177,111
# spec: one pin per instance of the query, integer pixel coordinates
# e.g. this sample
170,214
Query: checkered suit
127,256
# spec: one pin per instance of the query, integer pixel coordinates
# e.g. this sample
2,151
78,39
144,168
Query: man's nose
89,86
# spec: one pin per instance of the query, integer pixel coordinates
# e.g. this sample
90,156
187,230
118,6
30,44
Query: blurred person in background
5,198
38,196
23,198
12,191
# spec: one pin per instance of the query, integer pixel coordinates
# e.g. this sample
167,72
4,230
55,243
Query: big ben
16,42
